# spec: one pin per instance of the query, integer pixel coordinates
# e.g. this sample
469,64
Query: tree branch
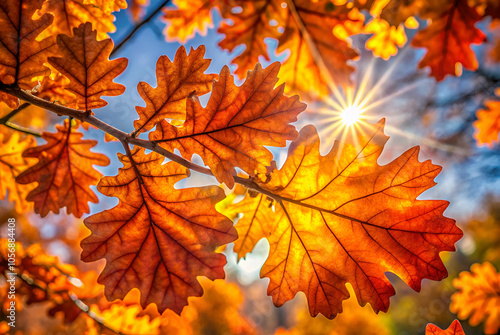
5,121
138,26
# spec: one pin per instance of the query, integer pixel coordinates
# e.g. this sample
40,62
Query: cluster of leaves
160,238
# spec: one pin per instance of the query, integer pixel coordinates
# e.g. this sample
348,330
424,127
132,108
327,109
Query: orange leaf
316,55
9,100
236,124
158,238
448,38
352,221
107,6
478,297
487,125
85,62
454,329
21,55
189,18
386,39
177,81
250,27
12,163
397,12
64,172
70,14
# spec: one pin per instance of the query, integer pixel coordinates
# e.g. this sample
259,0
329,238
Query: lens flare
351,115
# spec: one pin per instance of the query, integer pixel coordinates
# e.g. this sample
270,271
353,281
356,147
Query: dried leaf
176,81
21,55
448,38
478,297
363,216
454,329
85,62
236,124
64,172
12,163
158,238
70,14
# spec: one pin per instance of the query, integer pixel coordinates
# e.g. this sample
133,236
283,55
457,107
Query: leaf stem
138,26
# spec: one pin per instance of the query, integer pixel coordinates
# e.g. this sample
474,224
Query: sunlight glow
351,115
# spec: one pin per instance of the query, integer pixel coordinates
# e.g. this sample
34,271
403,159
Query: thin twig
5,121
9,116
138,26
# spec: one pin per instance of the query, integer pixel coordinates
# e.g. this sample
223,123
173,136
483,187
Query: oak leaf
21,55
236,124
478,297
70,14
386,39
363,216
12,163
158,238
487,126
250,27
454,329
449,37
397,12
107,6
316,56
64,172
176,81
85,62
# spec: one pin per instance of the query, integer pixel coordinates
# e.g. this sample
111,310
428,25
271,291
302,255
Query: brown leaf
397,12
11,101
70,14
85,62
158,238
64,172
342,218
236,124
454,329
12,163
448,38
21,55
176,81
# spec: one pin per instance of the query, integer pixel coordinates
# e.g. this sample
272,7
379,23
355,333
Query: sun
351,115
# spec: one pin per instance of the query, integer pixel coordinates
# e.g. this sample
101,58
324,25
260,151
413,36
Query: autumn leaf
70,14
448,38
9,100
250,27
362,215
158,238
21,55
106,5
487,126
454,329
12,163
54,89
386,39
316,56
397,12
85,62
189,18
236,124
137,8
64,172
478,297
176,81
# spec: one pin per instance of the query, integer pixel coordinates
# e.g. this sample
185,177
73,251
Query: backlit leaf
64,172
70,14
21,55
454,329
12,163
85,62
9,100
236,124
352,221
158,238
176,81
449,37
478,297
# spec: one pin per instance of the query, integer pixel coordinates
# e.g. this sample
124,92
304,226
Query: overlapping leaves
363,216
